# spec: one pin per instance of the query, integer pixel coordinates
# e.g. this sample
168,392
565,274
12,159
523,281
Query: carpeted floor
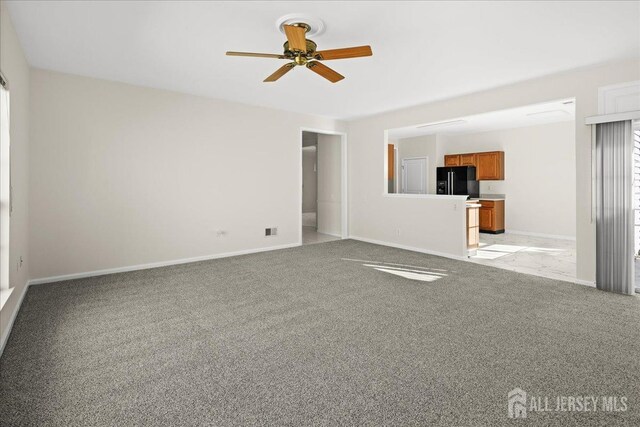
327,334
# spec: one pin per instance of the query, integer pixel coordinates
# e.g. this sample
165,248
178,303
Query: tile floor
540,256
310,236
309,219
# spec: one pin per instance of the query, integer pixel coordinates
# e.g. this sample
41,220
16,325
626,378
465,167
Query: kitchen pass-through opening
518,166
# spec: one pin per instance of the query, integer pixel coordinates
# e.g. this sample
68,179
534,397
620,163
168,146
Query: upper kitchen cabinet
490,166
452,160
468,159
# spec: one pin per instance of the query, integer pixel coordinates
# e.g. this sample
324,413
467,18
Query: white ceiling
530,115
423,51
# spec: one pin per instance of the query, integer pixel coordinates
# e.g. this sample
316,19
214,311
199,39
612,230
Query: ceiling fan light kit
303,52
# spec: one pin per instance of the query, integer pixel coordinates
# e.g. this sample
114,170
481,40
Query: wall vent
271,231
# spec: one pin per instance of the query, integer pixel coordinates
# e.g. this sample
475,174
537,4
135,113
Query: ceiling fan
303,52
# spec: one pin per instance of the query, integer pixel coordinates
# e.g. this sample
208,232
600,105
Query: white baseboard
409,248
5,334
330,234
585,283
548,236
85,274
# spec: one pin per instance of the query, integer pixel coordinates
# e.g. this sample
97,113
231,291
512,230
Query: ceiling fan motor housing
311,50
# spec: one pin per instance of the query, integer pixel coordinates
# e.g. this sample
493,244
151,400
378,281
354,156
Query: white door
414,175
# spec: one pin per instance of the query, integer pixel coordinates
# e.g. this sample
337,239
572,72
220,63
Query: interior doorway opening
322,201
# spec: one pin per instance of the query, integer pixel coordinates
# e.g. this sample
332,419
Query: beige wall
329,184
374,215
124,175
16,70
540,175
427,223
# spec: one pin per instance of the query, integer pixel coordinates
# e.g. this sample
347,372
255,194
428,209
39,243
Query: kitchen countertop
488,196
493,197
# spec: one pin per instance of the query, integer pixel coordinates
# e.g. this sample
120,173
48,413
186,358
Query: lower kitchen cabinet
492,216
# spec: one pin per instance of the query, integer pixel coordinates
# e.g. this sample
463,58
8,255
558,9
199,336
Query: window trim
5,192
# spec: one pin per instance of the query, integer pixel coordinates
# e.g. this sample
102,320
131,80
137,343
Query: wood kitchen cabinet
452,160
491,216
468,159
489,165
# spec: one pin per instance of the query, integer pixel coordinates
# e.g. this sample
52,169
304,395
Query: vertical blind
614,207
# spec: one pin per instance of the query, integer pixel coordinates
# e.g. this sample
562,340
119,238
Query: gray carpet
301,336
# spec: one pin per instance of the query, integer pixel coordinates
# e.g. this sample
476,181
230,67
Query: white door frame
397,176
344,217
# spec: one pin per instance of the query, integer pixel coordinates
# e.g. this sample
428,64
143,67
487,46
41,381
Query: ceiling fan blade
324,71
256,55
296,37
280,72
347,52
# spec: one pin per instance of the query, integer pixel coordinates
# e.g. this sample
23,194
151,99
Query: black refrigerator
460,180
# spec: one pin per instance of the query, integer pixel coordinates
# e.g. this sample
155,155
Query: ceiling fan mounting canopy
303,52
304,25
316,25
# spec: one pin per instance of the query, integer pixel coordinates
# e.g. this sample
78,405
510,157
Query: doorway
415,175
323,187
309,180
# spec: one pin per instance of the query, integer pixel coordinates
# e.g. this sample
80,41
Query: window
5,186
